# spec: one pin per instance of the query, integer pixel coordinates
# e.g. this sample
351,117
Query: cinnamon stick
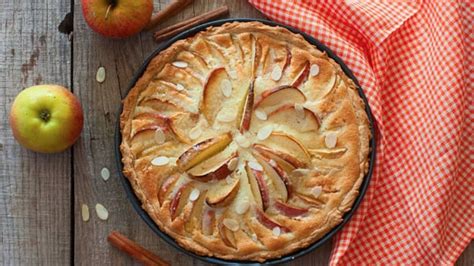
171,9
134,250
187,24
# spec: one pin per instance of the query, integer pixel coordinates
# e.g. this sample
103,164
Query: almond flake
273,163
179,86
160,137
232,164
232,224
101,211
331,140
242,141
226,88
276,231
195,132
299,110
224,116
100,75
261,115
265,132
300,172
255,166
194,194
85,212
276,73
229,180
180,64
105,173
314,70
160,161
242,206
316,191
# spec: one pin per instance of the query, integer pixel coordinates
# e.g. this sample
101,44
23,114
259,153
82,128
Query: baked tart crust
245,142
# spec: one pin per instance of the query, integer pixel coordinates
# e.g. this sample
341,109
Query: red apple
117,18
46,118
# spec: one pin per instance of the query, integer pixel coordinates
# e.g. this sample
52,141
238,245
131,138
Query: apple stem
108,11
45,115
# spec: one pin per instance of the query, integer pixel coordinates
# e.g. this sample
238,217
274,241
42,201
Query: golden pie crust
245,142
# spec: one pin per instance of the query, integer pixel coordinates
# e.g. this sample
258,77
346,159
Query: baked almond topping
330,140
314,70
265,132
179,86
276,73
180,64
160,161
261,115
276,231
227,150
194,194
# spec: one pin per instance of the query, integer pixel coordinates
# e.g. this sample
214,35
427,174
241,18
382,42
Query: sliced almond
314,70
101,211
265,132
160,161
105,173
276,231
276,73
194,195
331,140
255,166
232,164
160,137
242,206
224,116
179,87
242,141
316,191
180,64
85,212
300,172
226,87
229,180
100,75
195,132
261,115
231,224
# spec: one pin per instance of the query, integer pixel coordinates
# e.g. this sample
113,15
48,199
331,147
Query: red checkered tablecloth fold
415,62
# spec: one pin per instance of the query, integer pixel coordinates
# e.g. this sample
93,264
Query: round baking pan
149,221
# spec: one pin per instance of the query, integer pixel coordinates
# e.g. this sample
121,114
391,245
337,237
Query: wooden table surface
41,195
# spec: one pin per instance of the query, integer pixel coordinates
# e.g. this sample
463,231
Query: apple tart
245,142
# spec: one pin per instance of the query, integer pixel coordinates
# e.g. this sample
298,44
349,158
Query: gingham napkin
414,61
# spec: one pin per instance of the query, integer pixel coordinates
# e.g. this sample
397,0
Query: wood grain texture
34,188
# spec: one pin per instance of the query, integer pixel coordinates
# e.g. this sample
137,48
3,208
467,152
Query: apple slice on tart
222,193
213,97
272,99
258,186
217,167
303,120
203,150
287,147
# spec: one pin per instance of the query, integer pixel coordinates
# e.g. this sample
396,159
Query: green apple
117,18
46,118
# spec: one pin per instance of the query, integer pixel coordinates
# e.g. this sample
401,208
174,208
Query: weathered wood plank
34,188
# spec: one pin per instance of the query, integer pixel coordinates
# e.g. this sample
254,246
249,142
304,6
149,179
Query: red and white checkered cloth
415,62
